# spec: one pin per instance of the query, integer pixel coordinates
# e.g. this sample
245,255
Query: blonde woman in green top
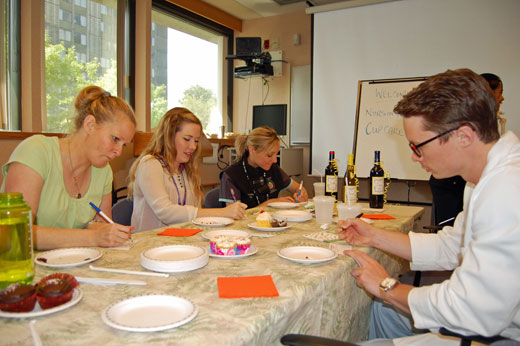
59,177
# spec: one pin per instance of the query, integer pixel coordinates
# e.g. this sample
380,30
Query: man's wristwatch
386,285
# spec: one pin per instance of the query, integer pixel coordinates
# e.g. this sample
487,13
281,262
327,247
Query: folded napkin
180,232
378,217
247,287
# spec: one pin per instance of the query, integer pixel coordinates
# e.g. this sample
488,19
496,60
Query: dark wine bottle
331,177
377,183
350,189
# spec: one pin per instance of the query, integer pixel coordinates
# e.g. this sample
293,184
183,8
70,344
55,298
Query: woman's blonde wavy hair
260,139
162,145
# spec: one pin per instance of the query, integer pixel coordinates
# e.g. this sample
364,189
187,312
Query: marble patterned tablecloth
318,299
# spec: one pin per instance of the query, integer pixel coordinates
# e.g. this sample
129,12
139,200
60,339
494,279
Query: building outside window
77,53
187,69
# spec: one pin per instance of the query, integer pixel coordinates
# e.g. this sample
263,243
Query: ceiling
253,9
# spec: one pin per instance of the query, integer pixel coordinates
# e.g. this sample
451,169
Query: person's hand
369,273
303,196
236,210
111,234
282,199
356,232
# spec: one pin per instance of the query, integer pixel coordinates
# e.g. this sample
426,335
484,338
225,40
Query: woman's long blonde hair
162,146
261,138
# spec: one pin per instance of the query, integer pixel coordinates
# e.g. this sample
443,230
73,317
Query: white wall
408,38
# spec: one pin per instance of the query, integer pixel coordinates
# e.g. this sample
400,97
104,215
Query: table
318,299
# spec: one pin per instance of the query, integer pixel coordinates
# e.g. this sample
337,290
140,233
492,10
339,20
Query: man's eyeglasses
415,147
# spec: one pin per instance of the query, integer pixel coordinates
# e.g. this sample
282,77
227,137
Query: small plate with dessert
53,293
212,221
269,223
208,235
65,258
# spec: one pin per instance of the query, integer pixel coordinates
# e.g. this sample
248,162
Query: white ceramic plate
149,313
212,221
294,215
307,254
64,258
267,229
283,205
229,232
38,311
252,251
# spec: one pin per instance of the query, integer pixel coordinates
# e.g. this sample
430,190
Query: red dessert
63,276
53,292
18,298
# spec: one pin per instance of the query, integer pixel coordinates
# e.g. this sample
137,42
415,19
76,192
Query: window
79,64
9,65
64,15
187,62
80,20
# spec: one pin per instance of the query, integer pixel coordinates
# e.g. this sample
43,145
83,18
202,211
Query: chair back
122,212
211,199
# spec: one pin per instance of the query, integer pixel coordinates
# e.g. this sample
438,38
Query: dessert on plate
18,298
264,219
229,245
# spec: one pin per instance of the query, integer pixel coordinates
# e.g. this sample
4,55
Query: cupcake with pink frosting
243,245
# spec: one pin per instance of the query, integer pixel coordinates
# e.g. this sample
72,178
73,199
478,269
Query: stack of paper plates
174,258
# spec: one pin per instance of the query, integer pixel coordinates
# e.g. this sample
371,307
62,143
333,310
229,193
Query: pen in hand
233,194
100,212
299,192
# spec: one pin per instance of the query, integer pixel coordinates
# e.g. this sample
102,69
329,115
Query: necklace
78,196
179,177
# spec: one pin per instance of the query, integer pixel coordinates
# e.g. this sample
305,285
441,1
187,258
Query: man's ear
465,135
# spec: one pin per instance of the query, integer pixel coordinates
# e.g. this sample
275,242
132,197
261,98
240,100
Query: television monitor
274,116
248,46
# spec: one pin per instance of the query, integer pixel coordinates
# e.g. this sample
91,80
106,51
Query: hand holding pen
299,192
114,236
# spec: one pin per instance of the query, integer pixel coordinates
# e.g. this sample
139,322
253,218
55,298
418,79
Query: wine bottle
377,183
331,177
350,189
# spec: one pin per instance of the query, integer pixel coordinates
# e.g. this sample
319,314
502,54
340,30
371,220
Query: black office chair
309,340
211,199
122,211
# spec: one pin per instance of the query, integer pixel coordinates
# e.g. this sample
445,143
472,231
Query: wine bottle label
331,183
378,185
351,194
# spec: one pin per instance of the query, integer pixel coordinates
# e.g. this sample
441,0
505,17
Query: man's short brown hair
453,98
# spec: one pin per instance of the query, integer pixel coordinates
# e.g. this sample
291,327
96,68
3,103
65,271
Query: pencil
233,194
299,192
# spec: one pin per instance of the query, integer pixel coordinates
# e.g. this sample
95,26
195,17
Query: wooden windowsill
24,135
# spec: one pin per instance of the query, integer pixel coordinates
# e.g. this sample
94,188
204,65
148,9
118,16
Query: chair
211,199
309,340
122,211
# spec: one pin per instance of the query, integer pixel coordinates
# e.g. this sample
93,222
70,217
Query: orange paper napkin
378,216
180,232
247,287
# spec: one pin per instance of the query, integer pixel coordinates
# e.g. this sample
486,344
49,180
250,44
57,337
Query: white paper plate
283,205
149,313
307,254
252,251
335,219
64,258
38,311
294,215
212,221
229,232
174,258
267,229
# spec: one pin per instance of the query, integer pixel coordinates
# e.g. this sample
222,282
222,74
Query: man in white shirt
450,122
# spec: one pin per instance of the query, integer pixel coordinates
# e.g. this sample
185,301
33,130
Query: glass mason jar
16,243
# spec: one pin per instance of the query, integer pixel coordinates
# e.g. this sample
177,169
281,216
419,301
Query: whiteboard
379,128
